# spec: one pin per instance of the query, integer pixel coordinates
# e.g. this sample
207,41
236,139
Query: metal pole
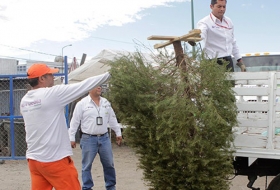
62,54
192,12
66,82
65,66
11,114
66,70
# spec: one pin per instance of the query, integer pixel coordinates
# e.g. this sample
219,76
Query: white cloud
24,22
246,5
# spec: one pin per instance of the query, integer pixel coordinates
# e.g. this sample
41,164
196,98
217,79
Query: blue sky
91,25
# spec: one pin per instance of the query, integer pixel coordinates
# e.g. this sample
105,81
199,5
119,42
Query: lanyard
98,110
219,24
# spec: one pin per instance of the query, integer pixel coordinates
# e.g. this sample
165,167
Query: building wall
21,69
8,66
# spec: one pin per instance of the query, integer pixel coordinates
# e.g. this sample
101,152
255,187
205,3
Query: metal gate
12,132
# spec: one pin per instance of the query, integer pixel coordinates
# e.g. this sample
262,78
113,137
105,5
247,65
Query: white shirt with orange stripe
218,37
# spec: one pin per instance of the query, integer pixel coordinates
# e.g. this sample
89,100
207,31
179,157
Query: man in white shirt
94,113
217,32
48,148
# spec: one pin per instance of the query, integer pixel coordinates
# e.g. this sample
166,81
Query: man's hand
192,43
73,144
119,140
242,66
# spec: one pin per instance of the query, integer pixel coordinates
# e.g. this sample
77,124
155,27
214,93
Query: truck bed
257,134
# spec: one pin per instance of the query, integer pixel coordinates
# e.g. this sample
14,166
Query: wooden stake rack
193,36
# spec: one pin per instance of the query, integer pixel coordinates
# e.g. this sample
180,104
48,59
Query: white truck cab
257,62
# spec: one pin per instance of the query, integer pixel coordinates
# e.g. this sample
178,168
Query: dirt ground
14,174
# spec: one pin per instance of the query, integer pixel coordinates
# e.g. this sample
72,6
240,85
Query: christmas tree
179,119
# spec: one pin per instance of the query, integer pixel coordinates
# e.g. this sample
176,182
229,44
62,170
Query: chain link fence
12,131
12,88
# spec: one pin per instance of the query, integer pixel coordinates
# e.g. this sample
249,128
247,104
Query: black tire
274,184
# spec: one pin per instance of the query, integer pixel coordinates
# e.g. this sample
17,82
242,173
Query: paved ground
14,175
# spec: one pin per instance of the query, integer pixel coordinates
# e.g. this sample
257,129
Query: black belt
226,57
99,135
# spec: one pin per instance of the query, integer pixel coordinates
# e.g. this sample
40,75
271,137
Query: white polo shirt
218,37
86,112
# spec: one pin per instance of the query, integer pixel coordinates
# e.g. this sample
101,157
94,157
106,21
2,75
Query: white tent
97,65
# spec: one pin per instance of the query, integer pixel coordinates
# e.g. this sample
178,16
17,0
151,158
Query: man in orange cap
48,147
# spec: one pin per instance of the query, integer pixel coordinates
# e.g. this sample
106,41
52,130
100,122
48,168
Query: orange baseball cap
40,69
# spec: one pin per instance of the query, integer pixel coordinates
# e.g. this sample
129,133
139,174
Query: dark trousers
230,67
228,59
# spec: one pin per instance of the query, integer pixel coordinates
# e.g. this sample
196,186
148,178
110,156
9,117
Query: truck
257,135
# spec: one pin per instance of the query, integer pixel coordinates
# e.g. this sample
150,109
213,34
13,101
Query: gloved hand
192,43
242,66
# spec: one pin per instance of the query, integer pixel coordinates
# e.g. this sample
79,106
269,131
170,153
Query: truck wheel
275,183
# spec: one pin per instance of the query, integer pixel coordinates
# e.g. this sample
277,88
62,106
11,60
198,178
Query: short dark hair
213,2
33,82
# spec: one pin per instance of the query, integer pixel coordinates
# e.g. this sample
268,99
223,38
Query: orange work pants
61,174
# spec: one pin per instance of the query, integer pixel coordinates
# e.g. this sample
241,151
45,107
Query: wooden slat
278,91
155,37
198,31
258,82
244,82
249,75
251,115
257,115
258,123
250,141
277,123
257,130
185,37
257,153
256,106
252,91
252,82
192,39
277,141
193,35
277,107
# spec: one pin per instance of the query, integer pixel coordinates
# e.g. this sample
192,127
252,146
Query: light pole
193,50
192,14
62,54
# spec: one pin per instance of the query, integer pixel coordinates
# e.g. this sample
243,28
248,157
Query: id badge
99,121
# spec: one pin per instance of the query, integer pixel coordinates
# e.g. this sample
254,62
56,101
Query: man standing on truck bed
217,32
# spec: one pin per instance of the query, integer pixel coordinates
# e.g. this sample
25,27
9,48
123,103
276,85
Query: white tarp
97,65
